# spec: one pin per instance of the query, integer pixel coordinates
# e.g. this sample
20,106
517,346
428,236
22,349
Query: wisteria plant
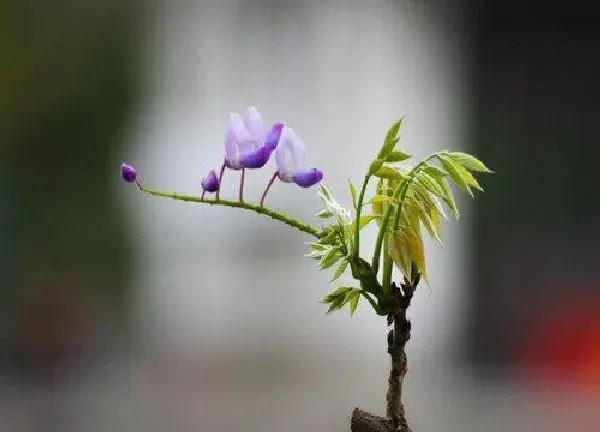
405,200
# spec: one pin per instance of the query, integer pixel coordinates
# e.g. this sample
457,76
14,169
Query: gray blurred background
124,312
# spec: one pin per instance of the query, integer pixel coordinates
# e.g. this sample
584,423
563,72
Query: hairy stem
359,205
236,204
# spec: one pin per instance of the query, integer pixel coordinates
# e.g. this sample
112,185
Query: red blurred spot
562,345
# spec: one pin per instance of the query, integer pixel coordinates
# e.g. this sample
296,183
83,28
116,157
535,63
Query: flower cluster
249,145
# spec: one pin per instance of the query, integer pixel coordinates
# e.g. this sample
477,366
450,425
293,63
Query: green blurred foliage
69,74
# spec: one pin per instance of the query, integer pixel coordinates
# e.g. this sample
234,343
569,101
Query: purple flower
128,173
210,183
291,164
247,144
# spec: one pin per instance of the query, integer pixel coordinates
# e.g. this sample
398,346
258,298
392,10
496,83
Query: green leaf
392,132
340,269
430,217
465,175
353,297
375,165
391,139
469,162
397,156
352,193
435,172
399,251
410,250
339,298
324,193
381,198
456,173
377,207
330,258
429,183
389,173
317,246
316,250
417,253
324,214
337,293
448,198
366,219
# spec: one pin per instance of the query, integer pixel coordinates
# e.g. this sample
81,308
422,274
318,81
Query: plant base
363,421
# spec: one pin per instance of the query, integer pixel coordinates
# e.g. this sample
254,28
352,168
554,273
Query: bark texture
398,336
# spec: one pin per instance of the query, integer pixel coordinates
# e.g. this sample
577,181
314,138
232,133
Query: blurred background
124,312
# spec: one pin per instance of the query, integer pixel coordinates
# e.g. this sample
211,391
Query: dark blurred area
69,82
75,81
537,283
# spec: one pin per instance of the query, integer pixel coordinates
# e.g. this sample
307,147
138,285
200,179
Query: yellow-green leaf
352,193
329,258
375,166
399,250
448,198
435,172
352,297
464,174
337,293
417,252
429,183
389,173
430,218
397,156
339,270
324,214
469,162
366,219
456,173
381,198
391,139
377,207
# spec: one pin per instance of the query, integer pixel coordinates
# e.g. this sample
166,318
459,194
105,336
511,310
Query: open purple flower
291,163
210,183
247,143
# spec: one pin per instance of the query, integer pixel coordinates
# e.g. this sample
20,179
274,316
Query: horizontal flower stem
235,204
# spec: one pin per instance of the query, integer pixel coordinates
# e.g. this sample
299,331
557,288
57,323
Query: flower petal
237,139
256,158
289,154
254,124
307,177
296,147
210,183
273,136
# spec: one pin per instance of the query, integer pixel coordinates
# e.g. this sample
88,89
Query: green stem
359,205
399,195
383,227
387,259
370,299
235,204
